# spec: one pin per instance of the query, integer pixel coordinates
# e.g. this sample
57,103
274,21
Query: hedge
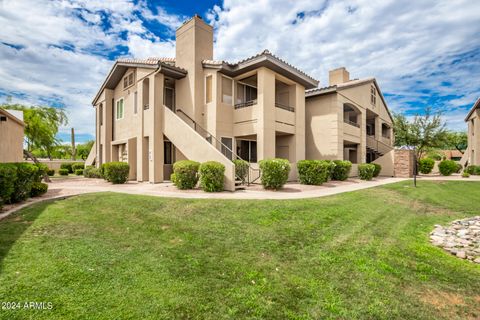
78,165
116,172
378,169
185,174
241,169
211,176
274,173
92,172
313,172
475,170
79,172
465,174
447,167
366,171
341,171
26,173
8,176
63,172
51,172
41,172
331,168
426,165
66,166
38,188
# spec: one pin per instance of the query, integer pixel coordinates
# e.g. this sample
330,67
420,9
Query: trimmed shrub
66,166
447,167
331,168
465,174
185,174
426,165
26,174
341,170
475,170
51,172
41,172
38,188
241,169
313,172
378,169
63,172
366,171
211,176
8,176
274,173
92,172
78,165
116,172
459,168
79,172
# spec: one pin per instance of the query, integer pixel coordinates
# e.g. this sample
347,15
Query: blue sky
423,53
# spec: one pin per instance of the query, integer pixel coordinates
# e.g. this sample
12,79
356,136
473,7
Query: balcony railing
245,104
351,123
284,107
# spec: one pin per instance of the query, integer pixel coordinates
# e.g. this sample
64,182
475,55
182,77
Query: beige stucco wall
474,138
11,136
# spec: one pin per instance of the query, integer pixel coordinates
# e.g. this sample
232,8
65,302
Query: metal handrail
245,104
376,143
351,123
196,126
284,107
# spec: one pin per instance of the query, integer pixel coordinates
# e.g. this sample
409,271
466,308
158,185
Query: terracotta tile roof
150,60
475,106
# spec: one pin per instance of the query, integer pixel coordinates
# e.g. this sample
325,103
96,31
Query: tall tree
424,132
41,125
456,140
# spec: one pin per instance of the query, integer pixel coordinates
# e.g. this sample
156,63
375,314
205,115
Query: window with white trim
128,80
119,109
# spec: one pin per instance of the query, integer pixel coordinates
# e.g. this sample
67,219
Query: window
373,95
128,80
227,145
208,89
100,113
473,128
119,109
227,86
135,103
167,152
246,93
247,150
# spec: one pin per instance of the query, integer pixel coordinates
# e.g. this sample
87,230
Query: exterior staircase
92,155
197,143
378,147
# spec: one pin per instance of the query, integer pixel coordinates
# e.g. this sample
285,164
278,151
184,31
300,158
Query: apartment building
12,133
349,120
472,154
154,112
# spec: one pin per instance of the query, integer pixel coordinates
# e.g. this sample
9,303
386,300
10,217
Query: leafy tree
456,140
41,126
84,149
424,132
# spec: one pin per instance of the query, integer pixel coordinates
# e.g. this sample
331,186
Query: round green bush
211,176
78,165
185,174
274,173
51,172
66,166
378,169
26,173
8,177
341,170
473,170
426,165
313,172
331,168
241,169
447,167
41,172
38,188
366,171
465,174
63,172
116,172
92,172
79,172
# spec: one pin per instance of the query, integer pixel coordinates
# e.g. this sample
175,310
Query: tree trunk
35,160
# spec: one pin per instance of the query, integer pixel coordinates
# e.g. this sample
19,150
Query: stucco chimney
194,43
337,76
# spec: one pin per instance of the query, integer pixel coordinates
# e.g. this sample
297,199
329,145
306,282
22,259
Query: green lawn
363,255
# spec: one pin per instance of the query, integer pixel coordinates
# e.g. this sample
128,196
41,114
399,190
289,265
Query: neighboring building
349,120
153,112
156,111
11,133
473,121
